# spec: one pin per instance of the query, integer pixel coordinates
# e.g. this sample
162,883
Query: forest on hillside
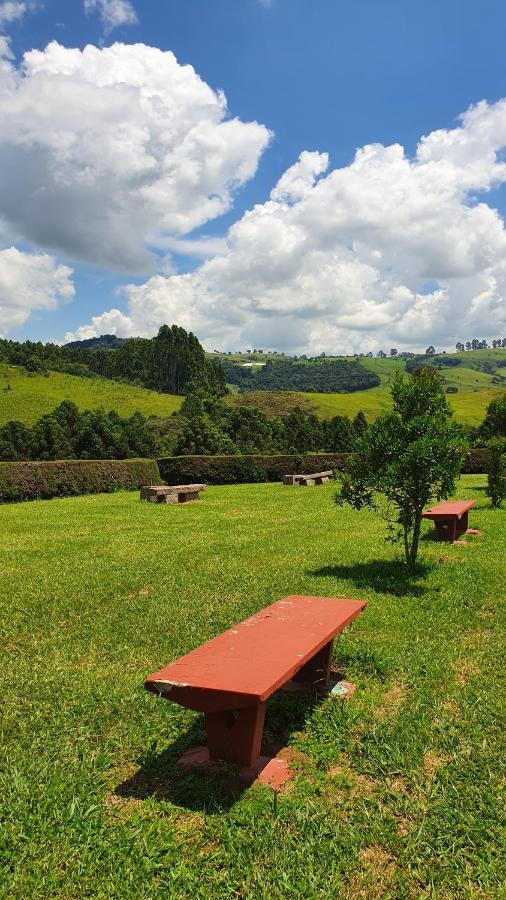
173,362
319,376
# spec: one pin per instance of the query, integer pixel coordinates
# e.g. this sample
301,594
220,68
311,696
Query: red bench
450,518
231,677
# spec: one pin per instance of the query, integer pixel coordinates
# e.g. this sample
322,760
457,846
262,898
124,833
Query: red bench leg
317,671
462,524
446,530
236,736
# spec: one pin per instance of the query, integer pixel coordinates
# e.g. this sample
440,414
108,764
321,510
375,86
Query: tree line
173,362
202,426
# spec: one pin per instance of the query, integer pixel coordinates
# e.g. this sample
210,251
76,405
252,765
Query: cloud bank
107,155
104,152
387,249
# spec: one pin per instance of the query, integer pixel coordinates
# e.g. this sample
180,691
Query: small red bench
451,518
231,677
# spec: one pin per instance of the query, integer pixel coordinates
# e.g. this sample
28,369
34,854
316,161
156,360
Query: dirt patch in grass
449,559
450,706
464,670
375,877
476,637
120,809
487,613
359,785
432,762
392,699
296,759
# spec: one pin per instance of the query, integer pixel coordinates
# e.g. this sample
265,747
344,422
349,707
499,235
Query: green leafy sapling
496,470
406,458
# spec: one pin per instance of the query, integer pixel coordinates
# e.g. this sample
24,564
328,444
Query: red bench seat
231,677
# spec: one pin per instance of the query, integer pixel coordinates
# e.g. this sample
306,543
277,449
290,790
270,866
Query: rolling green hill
475,390
26,397
32,395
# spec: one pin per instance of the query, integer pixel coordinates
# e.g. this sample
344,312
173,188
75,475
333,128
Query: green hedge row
476,461
255,468
66,478
244,469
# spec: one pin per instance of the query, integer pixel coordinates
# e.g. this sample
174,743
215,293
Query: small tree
360,424
494,423
496,470
411,456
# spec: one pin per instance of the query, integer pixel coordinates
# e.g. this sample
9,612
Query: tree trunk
406,545
413,552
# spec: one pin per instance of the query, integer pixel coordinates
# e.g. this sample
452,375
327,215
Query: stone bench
176,493
306,480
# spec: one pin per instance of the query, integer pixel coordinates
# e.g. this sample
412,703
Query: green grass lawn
31,396
396,794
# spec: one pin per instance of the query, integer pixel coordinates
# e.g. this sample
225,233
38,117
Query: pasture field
469,407
29,397
396,794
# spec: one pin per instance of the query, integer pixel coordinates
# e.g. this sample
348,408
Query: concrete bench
231,677
306,480
451,519
176,493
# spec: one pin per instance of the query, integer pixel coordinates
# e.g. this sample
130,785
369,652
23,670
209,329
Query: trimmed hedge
255,468
66,478
475,462
244,469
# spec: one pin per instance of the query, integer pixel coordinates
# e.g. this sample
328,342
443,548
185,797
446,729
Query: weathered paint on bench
177,493
451,518
231,677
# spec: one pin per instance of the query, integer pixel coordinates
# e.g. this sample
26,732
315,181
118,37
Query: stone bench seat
174,493
306,480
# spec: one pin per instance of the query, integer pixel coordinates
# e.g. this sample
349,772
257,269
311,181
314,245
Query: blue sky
323,76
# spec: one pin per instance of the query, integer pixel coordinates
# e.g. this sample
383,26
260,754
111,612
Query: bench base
272,771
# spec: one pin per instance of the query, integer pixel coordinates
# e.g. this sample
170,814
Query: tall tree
411,456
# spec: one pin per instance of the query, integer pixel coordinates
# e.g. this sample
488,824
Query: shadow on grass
216,787
383,576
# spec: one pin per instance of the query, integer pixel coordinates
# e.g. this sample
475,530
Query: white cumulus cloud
104,152
30,282
113,13
389,250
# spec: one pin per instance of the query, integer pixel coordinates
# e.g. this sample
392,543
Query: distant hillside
475,389
26,397
104,342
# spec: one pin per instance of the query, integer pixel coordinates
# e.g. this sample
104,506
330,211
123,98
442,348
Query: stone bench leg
236,737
